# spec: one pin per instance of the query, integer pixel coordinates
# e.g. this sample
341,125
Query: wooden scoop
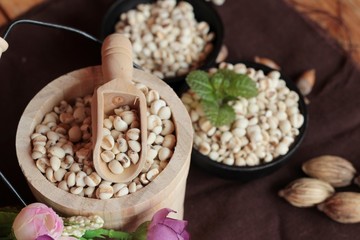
119,90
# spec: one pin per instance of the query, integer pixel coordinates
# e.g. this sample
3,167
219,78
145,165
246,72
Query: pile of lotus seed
167,39
62,147
265,125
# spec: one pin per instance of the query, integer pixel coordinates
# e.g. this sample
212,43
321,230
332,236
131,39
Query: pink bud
37,220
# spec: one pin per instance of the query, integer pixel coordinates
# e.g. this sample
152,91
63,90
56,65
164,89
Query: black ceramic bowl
247,173
203,12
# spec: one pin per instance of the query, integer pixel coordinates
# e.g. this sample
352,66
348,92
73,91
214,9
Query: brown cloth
215,208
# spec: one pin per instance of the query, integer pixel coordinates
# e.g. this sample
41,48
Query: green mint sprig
215,92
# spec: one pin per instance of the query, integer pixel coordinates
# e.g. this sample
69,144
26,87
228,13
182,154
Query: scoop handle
116,54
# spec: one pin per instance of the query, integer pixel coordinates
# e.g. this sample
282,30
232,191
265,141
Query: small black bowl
203,12
248,173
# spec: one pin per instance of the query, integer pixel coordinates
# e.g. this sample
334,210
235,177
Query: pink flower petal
177,225
162,232
44,237
159,216
164,228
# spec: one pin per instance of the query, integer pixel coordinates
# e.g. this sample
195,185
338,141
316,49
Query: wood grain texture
128,212
14,8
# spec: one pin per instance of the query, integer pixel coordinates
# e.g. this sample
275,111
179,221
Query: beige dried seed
71,179
63,185
132,187
42,164
129,116
164,113
134,156
115,167
59,174
119,124
169,141
107,156
57,152
165,154
118,186
153,121
134,145
67,162
39,148
335,170
50,117
143,179
133,134
306,192
343,207
168,127
42,129
55,163
92,180
104,192
107,142
152,174
89,191
49,173
124,160
76,190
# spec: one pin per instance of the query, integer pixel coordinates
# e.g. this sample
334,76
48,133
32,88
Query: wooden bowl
167,190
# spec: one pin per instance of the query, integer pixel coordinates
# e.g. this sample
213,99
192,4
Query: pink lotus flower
164,228
37,221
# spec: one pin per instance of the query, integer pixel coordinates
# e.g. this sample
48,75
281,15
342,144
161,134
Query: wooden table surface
340,18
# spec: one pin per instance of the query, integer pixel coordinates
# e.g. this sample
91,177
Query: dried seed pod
335,170
306,192
343,207
267,62
222,54
306,82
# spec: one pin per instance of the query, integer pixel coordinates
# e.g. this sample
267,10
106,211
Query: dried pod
306,192
222,54
335,170
343,207
306,82
267,62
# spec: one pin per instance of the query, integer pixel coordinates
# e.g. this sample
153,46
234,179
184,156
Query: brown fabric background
215,208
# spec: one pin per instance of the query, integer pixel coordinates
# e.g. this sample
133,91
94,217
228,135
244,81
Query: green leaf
241,85
102,233
200,84
141,231
6,220
218,114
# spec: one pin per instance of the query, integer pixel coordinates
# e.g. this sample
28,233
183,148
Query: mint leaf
241,85
218,115
217,90
199,82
